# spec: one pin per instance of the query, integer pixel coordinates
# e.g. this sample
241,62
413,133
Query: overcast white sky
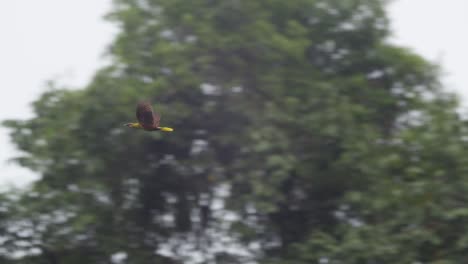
436,29
62,40
65,39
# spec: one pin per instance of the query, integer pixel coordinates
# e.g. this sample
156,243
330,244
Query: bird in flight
147,119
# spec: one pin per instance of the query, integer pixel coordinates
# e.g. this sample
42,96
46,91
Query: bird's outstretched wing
146,116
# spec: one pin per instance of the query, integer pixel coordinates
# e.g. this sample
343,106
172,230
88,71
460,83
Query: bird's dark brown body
147,118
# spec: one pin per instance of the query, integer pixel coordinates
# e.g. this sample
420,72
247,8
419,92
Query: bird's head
133,125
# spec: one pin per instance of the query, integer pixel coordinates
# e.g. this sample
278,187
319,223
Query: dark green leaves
301,136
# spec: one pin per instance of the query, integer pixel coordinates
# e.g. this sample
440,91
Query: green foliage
413,209
301,136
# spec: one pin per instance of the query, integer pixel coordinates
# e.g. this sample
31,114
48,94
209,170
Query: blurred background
306,131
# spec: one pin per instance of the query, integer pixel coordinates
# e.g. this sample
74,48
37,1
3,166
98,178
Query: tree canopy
301,136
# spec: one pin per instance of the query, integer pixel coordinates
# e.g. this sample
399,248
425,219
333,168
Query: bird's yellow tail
167,129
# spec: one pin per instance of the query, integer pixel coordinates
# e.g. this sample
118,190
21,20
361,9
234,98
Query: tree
294,123
413,211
